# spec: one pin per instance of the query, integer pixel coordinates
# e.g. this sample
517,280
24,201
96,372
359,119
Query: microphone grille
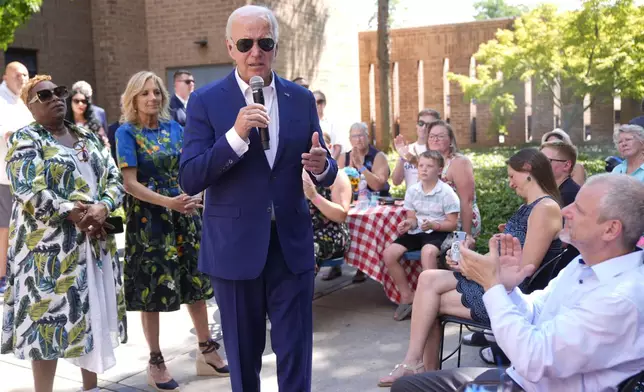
256,82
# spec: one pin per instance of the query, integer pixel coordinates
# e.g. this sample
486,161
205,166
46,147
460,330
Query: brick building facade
420,59
105,41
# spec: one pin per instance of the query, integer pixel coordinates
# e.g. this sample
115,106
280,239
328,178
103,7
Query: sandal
205,368
157,365
400,370
402,312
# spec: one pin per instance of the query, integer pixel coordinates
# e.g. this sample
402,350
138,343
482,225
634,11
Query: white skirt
103,315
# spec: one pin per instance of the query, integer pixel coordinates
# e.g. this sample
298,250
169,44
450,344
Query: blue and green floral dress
161,245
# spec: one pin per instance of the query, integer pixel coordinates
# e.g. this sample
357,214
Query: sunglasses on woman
46,95
246,44
79,101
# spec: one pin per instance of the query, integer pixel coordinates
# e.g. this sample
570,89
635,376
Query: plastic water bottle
363,193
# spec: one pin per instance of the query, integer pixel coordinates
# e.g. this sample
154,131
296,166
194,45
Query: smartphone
459,236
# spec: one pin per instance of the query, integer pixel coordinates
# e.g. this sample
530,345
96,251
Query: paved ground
355,342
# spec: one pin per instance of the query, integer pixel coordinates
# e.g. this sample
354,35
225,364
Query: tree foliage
13,14
492,9
596,51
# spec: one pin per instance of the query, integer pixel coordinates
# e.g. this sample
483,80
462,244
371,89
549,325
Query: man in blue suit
184,85
257,239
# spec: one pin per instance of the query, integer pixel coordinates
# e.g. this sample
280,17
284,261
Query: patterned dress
162,245
330,239
47,311
517,226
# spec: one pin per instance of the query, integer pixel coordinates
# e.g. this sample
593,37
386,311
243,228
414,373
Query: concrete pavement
356,341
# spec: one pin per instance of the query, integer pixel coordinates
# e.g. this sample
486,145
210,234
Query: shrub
496,201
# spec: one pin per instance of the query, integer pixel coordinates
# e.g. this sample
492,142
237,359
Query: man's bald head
16,76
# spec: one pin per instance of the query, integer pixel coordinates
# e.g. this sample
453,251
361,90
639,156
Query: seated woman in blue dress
536,224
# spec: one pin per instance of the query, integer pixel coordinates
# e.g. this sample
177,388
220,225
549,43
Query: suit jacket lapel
284,106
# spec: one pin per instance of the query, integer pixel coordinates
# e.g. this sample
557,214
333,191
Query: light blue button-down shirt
638,173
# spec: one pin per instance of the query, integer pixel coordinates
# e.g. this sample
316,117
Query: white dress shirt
14,115
584,332
240,146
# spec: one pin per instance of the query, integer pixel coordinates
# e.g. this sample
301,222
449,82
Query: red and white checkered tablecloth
372,230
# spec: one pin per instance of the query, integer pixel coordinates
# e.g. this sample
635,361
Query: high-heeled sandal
400,370
156,359
205,368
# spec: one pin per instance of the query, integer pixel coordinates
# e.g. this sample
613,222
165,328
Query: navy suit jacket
178,110
241,192
100,115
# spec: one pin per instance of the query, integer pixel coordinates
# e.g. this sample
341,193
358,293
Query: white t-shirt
434,205
13,116
411,171
337,136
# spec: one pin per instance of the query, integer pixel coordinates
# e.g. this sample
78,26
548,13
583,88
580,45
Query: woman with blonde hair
578,174
64,297
163,227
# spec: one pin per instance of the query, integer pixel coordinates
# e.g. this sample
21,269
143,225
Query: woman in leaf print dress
163,227
64,298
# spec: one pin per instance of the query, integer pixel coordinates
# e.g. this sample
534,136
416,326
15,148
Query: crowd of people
65,171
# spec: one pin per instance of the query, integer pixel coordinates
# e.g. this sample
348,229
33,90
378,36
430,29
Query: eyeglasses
320,102
557,160
358,136
437,137
81,151
77,101
246,44
46,95
188,81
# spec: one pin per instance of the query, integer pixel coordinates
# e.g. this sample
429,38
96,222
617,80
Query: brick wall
457,43
433,45
120,48
65,49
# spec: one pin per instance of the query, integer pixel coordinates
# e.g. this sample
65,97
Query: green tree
492,9
13,14
597,51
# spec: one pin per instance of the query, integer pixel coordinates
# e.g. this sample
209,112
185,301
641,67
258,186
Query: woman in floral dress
64,298
329,208
163,227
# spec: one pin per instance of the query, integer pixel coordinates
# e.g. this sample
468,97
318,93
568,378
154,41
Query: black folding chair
547,268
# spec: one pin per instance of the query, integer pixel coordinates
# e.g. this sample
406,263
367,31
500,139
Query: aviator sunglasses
46,95
246,44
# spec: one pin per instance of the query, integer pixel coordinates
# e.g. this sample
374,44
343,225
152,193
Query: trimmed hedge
496,201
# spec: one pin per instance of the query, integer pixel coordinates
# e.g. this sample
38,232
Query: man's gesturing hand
249,117
315,160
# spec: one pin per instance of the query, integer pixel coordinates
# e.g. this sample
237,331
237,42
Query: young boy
432,213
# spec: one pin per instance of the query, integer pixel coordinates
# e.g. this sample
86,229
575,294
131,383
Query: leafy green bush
496,201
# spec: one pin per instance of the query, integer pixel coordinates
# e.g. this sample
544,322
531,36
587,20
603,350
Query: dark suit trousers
287,299
450,380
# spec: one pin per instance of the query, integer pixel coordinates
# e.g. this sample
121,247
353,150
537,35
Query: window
28,57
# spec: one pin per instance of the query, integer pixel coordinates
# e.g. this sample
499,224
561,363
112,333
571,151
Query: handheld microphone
256,85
